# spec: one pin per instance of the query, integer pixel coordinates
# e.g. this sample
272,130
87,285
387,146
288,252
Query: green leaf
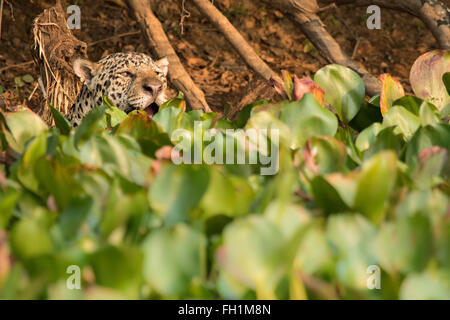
228,195
410,103
174,259
375,184
426,77
404,121
36,149
150,135
329,154
73,216
428,114
176,190
368,136
327,197
8,200
424,138
119,268
245,113
60,122
446,80
344,90
21,127
367,116
406,244
28,78
306,119
352,238
89,124
18,81
253,254
30,239
428,285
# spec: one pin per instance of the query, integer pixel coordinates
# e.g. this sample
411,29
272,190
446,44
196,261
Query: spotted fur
130,80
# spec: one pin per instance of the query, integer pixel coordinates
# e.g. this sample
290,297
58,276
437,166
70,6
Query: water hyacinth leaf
433,163
406,244
169,118
73,216
120,208
410,103
245,113
178,103
8,200
113,116
56,180
429,285
89,124
307,85
327,197
30,239
366,116
344,90
228,195
368,136
36,149
109,153
264,122
446,80
424,138
387,139
150,135
21,127
176,190
426,77
60,122
314,254
352,237
375,184
328,153
391,91
404,121
252,253
307,119
428,114
119,268
174,259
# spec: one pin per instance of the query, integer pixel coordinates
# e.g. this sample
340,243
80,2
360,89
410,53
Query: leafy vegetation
359,184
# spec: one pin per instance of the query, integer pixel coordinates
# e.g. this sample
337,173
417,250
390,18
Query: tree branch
236,39
304,13
157,39
434,14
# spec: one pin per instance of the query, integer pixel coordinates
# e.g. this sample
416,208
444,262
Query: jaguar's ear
85,70
163,64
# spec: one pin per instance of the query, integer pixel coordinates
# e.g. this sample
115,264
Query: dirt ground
213,64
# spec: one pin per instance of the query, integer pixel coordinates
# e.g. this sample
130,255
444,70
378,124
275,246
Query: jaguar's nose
153,88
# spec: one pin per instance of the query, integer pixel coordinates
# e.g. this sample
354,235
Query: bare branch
304,13
236,39
434,14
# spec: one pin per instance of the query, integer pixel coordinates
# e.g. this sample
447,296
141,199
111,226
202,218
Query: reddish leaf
307,85
391,91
